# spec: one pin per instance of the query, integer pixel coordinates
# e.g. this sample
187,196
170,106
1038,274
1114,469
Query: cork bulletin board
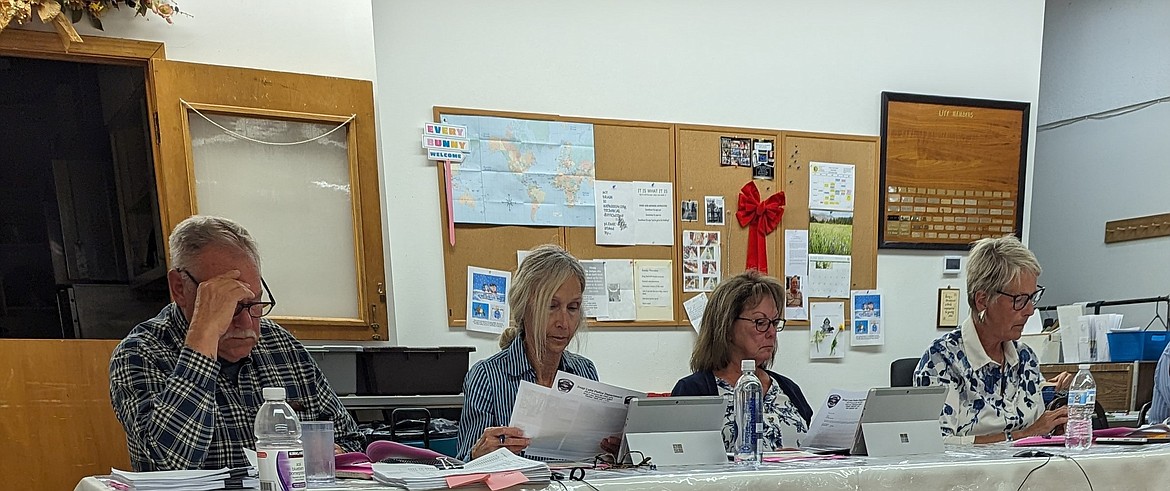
688,156
952,170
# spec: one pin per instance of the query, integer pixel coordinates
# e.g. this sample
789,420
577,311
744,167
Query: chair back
902,372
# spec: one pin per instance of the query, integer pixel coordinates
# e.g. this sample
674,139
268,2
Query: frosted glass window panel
294,199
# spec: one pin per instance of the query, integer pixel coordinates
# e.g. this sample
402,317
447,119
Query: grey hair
193,234
995,263
536,281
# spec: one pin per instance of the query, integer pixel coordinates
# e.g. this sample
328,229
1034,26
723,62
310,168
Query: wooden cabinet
1120,386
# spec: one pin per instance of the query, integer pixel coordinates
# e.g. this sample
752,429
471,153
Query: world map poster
524,172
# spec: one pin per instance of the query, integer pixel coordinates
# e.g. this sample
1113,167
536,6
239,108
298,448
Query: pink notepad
1058,440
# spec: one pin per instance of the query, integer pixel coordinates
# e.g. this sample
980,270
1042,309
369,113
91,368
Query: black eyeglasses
763,323
1020,301
626,461
255,309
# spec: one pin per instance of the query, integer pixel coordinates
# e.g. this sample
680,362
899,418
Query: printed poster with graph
524,172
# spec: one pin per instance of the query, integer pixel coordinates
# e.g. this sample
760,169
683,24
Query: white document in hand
835,424
569,420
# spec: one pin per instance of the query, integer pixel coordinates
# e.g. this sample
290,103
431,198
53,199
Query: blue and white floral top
985,398
781,418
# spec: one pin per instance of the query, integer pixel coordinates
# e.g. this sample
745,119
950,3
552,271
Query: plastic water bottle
1082,399
748,417
279,452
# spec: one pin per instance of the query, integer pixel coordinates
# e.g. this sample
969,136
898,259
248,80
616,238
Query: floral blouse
781,418
984,398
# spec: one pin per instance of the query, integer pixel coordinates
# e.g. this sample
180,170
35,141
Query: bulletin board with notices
687,159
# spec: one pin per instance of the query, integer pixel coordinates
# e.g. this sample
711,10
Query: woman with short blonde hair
993,379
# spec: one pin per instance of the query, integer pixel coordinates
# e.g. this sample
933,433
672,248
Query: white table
990,467
984,467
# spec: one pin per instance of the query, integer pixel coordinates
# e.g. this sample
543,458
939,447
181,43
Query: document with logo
569,420
834,425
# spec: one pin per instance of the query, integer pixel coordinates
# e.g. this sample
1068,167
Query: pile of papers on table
497,470
188,480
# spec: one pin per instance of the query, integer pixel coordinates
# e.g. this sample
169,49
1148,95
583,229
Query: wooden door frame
95,49
106,51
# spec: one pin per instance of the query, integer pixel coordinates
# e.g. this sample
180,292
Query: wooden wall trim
56,421
95,49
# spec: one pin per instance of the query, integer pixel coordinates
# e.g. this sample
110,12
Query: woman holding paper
740,323
994,379
546,312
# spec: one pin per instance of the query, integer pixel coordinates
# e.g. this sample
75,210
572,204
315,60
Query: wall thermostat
952,265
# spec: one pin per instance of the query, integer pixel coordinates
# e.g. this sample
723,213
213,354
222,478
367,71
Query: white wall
303,37
336,40
1099,56
816,66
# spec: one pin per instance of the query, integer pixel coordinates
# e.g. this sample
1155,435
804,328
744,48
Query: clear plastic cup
317,437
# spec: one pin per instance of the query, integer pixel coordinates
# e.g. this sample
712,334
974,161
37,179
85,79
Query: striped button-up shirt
181,411
983,397
489,390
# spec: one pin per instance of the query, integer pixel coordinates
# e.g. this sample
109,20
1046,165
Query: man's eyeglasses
764,323
255,309
1020,301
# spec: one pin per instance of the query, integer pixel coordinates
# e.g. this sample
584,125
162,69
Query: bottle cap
748,365
274,393
1084,366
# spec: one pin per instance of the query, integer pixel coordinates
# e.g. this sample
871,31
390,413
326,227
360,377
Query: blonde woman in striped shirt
545,301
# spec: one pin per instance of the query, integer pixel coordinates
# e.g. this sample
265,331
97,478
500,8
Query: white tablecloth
985,467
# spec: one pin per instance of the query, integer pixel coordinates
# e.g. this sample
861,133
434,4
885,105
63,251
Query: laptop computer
675,430
900,421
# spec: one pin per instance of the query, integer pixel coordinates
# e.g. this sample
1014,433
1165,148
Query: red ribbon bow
762,218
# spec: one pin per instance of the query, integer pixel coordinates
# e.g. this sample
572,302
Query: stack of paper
570,421
497,470
189,480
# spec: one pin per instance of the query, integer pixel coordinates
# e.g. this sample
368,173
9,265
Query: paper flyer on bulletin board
825,331
653,282
487,299
868,325
795,274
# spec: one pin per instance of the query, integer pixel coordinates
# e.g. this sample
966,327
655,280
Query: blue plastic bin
1137,345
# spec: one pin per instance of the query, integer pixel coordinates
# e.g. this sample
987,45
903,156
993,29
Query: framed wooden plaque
948,308
952,170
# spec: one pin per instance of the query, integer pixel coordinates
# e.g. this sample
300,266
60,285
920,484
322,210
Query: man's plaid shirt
181,412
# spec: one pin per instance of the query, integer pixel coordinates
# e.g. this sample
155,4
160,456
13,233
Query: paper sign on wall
487,299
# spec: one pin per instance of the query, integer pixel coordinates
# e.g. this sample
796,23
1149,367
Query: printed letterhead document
569,420
834,425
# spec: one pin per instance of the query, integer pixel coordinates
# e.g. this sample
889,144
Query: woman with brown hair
741,322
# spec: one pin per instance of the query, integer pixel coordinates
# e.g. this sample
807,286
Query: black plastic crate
401,371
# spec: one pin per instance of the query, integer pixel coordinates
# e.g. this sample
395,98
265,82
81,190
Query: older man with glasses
186,384
993,379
